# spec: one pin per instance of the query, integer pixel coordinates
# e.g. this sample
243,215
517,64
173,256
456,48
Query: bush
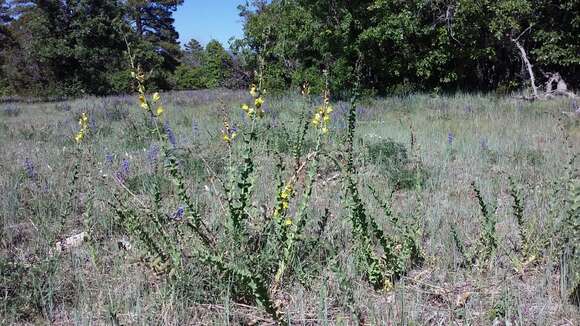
392,157
121,82
187,77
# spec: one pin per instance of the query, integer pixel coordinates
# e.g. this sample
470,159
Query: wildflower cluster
284,197
143,102
29,168
255,110
84,123
229,133
321,118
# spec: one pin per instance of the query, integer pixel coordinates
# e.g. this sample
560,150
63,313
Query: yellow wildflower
305,89
79,136
160,110
156,97
321,117
288,222
316,119
228,133
226,138
259,101
246,108
143,102
254,91
84,124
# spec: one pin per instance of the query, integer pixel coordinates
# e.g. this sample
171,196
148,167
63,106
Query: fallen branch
528,66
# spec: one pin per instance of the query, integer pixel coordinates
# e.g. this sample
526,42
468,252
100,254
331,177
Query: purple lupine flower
92,123
361,112
29,168
152,155
109,159
178,215
125,167
123,172
119,177
483,144
450,138
169,133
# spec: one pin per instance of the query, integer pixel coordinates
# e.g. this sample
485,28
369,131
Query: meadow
414,210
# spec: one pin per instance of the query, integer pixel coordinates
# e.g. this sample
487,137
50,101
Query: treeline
414,45
73,47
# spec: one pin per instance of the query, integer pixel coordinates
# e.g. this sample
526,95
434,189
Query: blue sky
208,19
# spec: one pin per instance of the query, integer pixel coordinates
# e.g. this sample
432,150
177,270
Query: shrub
187,77
392,158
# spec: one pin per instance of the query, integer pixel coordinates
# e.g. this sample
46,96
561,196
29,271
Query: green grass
402,146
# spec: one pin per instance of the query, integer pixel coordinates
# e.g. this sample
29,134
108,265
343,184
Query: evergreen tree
153,23
193,53
216,64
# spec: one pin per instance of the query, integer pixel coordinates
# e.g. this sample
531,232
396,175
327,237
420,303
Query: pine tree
193,53
153,23
216,64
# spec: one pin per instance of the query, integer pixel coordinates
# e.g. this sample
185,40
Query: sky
204,20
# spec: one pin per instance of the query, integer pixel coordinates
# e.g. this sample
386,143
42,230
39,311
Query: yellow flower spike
259,101
246,108
324,130
79,136
253,91
305,89
143,102
160,110
288,222
156,97
316,119
84,124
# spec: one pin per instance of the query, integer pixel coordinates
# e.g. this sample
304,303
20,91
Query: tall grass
241,207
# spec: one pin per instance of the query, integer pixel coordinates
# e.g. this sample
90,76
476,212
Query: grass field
429,161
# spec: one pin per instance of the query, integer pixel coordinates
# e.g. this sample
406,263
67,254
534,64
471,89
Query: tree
193,53
64,48
6,42
215,64
413,45
153,23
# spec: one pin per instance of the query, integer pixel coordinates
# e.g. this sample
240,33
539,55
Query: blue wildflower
483,143
125,167
29,167
109,159
178,215
152,155
169,133
123,173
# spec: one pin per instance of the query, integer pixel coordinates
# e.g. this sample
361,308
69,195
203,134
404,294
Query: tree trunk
528,65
